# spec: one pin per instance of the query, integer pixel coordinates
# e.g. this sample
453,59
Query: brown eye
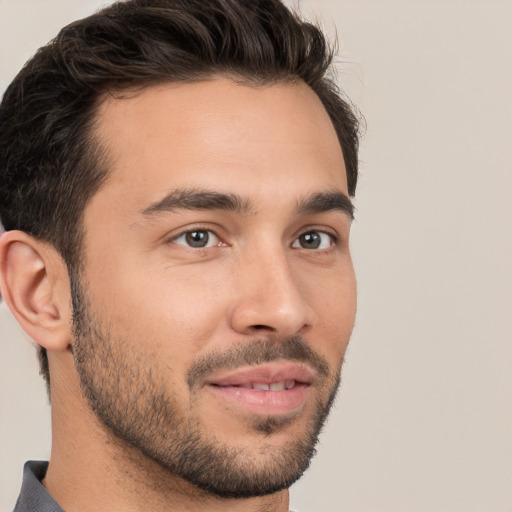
197,239
314,240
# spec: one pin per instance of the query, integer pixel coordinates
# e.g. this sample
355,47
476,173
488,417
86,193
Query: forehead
215,134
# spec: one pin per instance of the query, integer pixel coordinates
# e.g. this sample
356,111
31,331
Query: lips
273,386
266,374
271,389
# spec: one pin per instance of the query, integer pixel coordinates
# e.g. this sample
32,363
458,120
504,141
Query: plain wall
423,422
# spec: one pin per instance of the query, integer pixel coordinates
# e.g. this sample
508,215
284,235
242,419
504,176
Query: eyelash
197,230
334,239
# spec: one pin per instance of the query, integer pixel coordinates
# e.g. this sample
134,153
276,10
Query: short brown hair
50,165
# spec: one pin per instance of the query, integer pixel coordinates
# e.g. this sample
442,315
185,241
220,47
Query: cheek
334,301
175,308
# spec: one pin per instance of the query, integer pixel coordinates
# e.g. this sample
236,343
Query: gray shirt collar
33,496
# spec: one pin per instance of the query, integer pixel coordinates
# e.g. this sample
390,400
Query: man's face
218,290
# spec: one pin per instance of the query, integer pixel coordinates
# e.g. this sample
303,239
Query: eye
197,239
314,240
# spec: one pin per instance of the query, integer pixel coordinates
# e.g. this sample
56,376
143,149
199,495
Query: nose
269,298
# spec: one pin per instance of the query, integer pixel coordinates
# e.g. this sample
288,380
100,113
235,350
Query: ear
35,285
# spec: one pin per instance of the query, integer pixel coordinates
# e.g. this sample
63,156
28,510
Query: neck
92,470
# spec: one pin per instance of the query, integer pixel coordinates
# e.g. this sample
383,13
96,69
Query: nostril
260,327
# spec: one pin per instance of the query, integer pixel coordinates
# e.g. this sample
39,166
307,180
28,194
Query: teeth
289,384
261,387
275,386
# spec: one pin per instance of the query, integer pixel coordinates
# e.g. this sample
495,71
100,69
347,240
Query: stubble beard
129,397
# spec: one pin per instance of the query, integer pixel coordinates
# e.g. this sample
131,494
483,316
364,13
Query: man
175,183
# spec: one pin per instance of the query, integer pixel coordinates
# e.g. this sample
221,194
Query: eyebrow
196,199
326,201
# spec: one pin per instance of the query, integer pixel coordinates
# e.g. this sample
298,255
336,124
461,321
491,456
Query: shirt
33,496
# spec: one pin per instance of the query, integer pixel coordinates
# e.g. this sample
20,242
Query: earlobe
33,279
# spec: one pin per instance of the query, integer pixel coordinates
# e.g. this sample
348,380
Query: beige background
424,419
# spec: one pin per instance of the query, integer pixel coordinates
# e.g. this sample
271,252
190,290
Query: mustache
255,352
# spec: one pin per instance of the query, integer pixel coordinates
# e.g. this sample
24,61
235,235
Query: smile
273,386
273,389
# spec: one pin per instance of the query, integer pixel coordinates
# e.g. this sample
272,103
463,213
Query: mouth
265,386
271,389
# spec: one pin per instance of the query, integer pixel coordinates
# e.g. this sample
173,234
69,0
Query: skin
171,304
